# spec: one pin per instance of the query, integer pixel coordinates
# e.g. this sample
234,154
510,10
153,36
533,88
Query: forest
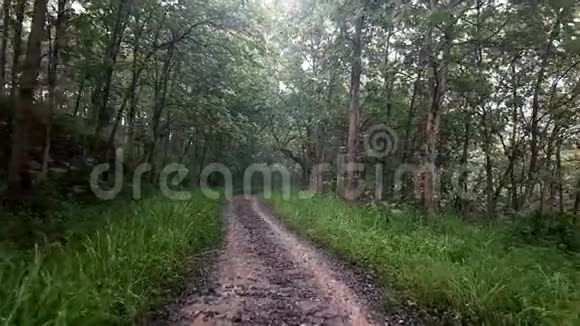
433,143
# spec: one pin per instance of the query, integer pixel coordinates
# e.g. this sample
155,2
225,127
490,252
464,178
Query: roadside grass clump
480,273
112,275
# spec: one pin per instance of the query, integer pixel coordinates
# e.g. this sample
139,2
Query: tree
353,142
19,179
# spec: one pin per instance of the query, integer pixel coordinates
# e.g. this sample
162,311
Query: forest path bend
265,275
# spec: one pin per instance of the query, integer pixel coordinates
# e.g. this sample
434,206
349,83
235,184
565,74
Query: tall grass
480,273
113,274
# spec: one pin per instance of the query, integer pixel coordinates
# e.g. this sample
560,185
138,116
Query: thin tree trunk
390,160
411,117
354,111
407,187
79,96
388,78
6,4
577,201
159,101
167,137
536,106
439,88
545,184
52,83
186,149
48,126
19,180
489,180
316,177
116,124
138,67
514,141
131,123
559,176
103,89
17,45
135,76
467,124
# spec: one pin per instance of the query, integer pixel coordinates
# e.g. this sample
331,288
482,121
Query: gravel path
265,275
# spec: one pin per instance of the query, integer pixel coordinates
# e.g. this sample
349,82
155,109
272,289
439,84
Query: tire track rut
265,275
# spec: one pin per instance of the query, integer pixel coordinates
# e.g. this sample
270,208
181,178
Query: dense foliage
167,81
480,97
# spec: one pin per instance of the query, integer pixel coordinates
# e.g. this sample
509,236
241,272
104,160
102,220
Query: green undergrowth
112,274
477,273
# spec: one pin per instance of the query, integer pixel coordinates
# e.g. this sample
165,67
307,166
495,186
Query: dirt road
265,275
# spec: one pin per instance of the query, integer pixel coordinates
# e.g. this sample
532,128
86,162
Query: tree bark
79,96
6,4
489,180
407,149
19,179
391,160
559,176
116,124
59,27
439,87
161,90
353,144
536,107
577,201
467,125
136,70
514,141
17,45
103,89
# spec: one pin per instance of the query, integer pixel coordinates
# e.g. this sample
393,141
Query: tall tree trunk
407,146
131,119
489,180
407,154
116,124
137,67
103,89
186,150
388,77
439,87
59,28
136,70
17,45
160,101
559,176
514,141
19,179
428,162
316,177
577,201
546,183
536,107
79,96
167,137
467,125
391,160
6,4
353,145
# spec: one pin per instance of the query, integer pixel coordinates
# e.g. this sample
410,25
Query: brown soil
265,275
